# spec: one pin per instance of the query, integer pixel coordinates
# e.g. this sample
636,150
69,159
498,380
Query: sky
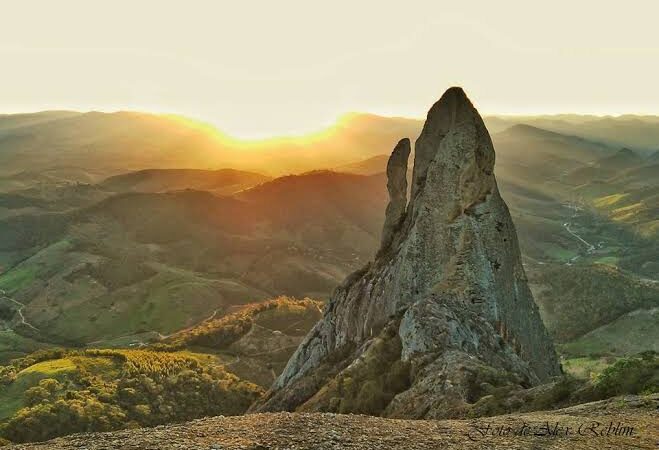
261,68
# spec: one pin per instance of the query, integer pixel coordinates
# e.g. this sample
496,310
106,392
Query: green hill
145,254
630,333
575,300
257,341
159,262
57,392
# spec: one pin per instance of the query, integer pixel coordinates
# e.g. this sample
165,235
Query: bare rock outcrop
397,187
444,312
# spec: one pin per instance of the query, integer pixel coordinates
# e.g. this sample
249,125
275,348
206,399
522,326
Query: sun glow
287,71
259,143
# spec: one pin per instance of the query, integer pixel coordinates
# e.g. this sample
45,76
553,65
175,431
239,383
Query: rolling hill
638,132
108,243
150,252
221,181
624,187
113,143
158,262
110,389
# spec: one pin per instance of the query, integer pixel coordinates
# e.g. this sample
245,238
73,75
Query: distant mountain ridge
221,181
67,233
161,241
116,142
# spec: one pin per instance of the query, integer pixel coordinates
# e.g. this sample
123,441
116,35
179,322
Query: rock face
444,313
397,187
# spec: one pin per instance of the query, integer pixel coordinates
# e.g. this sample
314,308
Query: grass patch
50,368
632,333
609,200
587,368
164,303
14,345
608,261
560,254
579,299
627,213
17,279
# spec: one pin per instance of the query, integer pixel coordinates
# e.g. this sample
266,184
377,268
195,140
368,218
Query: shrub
558,394
152,388
634,375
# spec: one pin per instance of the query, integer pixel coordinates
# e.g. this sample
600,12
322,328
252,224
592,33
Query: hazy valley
163,243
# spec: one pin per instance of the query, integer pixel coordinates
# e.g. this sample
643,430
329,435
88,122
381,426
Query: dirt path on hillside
21,306
575,213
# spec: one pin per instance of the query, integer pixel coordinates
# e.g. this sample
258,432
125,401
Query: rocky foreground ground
621,423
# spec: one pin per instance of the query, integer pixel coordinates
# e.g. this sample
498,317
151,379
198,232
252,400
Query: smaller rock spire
397,187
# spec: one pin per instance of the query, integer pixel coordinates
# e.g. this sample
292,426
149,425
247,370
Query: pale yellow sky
257,68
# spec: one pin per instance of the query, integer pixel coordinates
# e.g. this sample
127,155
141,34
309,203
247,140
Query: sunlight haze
256,69
311,224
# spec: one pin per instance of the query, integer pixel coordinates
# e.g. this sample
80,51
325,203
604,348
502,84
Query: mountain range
132,230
